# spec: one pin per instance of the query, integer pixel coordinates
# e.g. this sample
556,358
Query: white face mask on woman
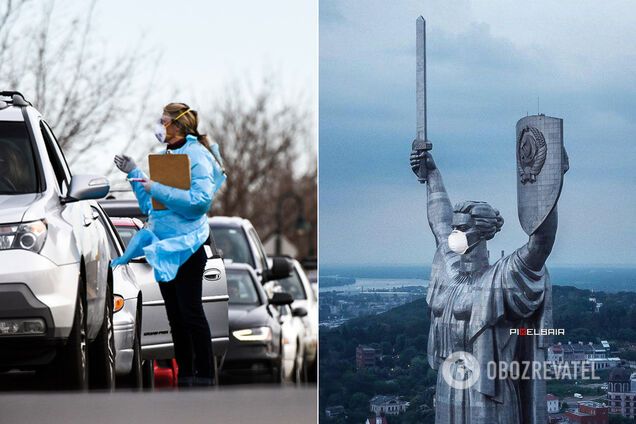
160,131
162,124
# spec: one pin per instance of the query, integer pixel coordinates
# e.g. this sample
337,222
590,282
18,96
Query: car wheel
313,371
134,379
102,350
277,372
69,369
148,374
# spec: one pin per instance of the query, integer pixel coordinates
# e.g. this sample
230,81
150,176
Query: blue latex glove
143,238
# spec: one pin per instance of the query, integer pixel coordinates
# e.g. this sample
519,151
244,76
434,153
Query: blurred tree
77,84
263,138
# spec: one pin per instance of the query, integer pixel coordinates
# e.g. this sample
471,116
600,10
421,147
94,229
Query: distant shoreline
607,279
335,280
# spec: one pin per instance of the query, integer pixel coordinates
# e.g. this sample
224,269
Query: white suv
56,301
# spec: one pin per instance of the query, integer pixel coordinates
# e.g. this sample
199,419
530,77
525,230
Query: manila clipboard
169,170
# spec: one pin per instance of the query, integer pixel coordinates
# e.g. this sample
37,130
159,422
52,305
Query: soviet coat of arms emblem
531,153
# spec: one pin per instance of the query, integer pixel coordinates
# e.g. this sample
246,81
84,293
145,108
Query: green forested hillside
402,334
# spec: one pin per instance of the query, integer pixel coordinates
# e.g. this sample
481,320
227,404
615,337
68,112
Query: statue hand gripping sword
474,305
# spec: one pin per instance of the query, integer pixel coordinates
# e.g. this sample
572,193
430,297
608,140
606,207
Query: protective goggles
166,120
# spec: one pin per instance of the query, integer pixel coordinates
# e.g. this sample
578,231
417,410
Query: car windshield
292,285
18,174
233,245
240,288
126,233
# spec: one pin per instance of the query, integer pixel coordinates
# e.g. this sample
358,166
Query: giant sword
421,143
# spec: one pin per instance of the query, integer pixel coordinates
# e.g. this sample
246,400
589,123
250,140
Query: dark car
256,339
239,242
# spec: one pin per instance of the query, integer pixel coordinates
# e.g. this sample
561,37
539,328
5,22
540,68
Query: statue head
473,222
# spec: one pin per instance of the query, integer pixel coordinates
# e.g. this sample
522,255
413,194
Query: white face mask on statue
458,242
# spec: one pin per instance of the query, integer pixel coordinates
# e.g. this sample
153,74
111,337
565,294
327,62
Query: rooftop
591,404
383,399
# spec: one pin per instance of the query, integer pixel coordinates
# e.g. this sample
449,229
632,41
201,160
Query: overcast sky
488,62
208,45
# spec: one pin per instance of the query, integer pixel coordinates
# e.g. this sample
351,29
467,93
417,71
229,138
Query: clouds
487,64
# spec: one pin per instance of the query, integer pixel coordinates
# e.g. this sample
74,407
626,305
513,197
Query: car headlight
21,326
258,334
28,236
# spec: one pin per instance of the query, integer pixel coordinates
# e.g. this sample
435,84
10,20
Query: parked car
239,242
156,339
56,284
293,329
256,341
127,300
298,285
310,265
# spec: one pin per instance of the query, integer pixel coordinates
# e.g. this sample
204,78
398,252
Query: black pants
190,330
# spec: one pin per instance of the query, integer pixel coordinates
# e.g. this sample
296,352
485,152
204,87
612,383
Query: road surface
235,404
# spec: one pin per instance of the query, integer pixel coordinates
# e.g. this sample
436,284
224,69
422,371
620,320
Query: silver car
127,301
156,339
298,285
56,308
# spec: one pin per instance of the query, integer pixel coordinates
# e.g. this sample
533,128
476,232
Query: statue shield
541,162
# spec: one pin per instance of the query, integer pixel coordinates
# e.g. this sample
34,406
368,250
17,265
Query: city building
365,357
602,363
335,411
597,305
552,403
388,405
578,356
621,392
376,419
588,412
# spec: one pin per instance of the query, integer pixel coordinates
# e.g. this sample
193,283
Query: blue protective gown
174,233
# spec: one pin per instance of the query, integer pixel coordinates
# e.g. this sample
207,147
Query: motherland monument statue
476,306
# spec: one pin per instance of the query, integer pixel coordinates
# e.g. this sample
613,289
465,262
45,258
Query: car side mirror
85,187
281,268
281,299
299,312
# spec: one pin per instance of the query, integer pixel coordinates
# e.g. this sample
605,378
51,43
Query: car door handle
212,274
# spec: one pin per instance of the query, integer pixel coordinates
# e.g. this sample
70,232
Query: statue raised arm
439,209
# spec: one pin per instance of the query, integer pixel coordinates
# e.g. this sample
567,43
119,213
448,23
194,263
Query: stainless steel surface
474,304
421,142
420,78
540,163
